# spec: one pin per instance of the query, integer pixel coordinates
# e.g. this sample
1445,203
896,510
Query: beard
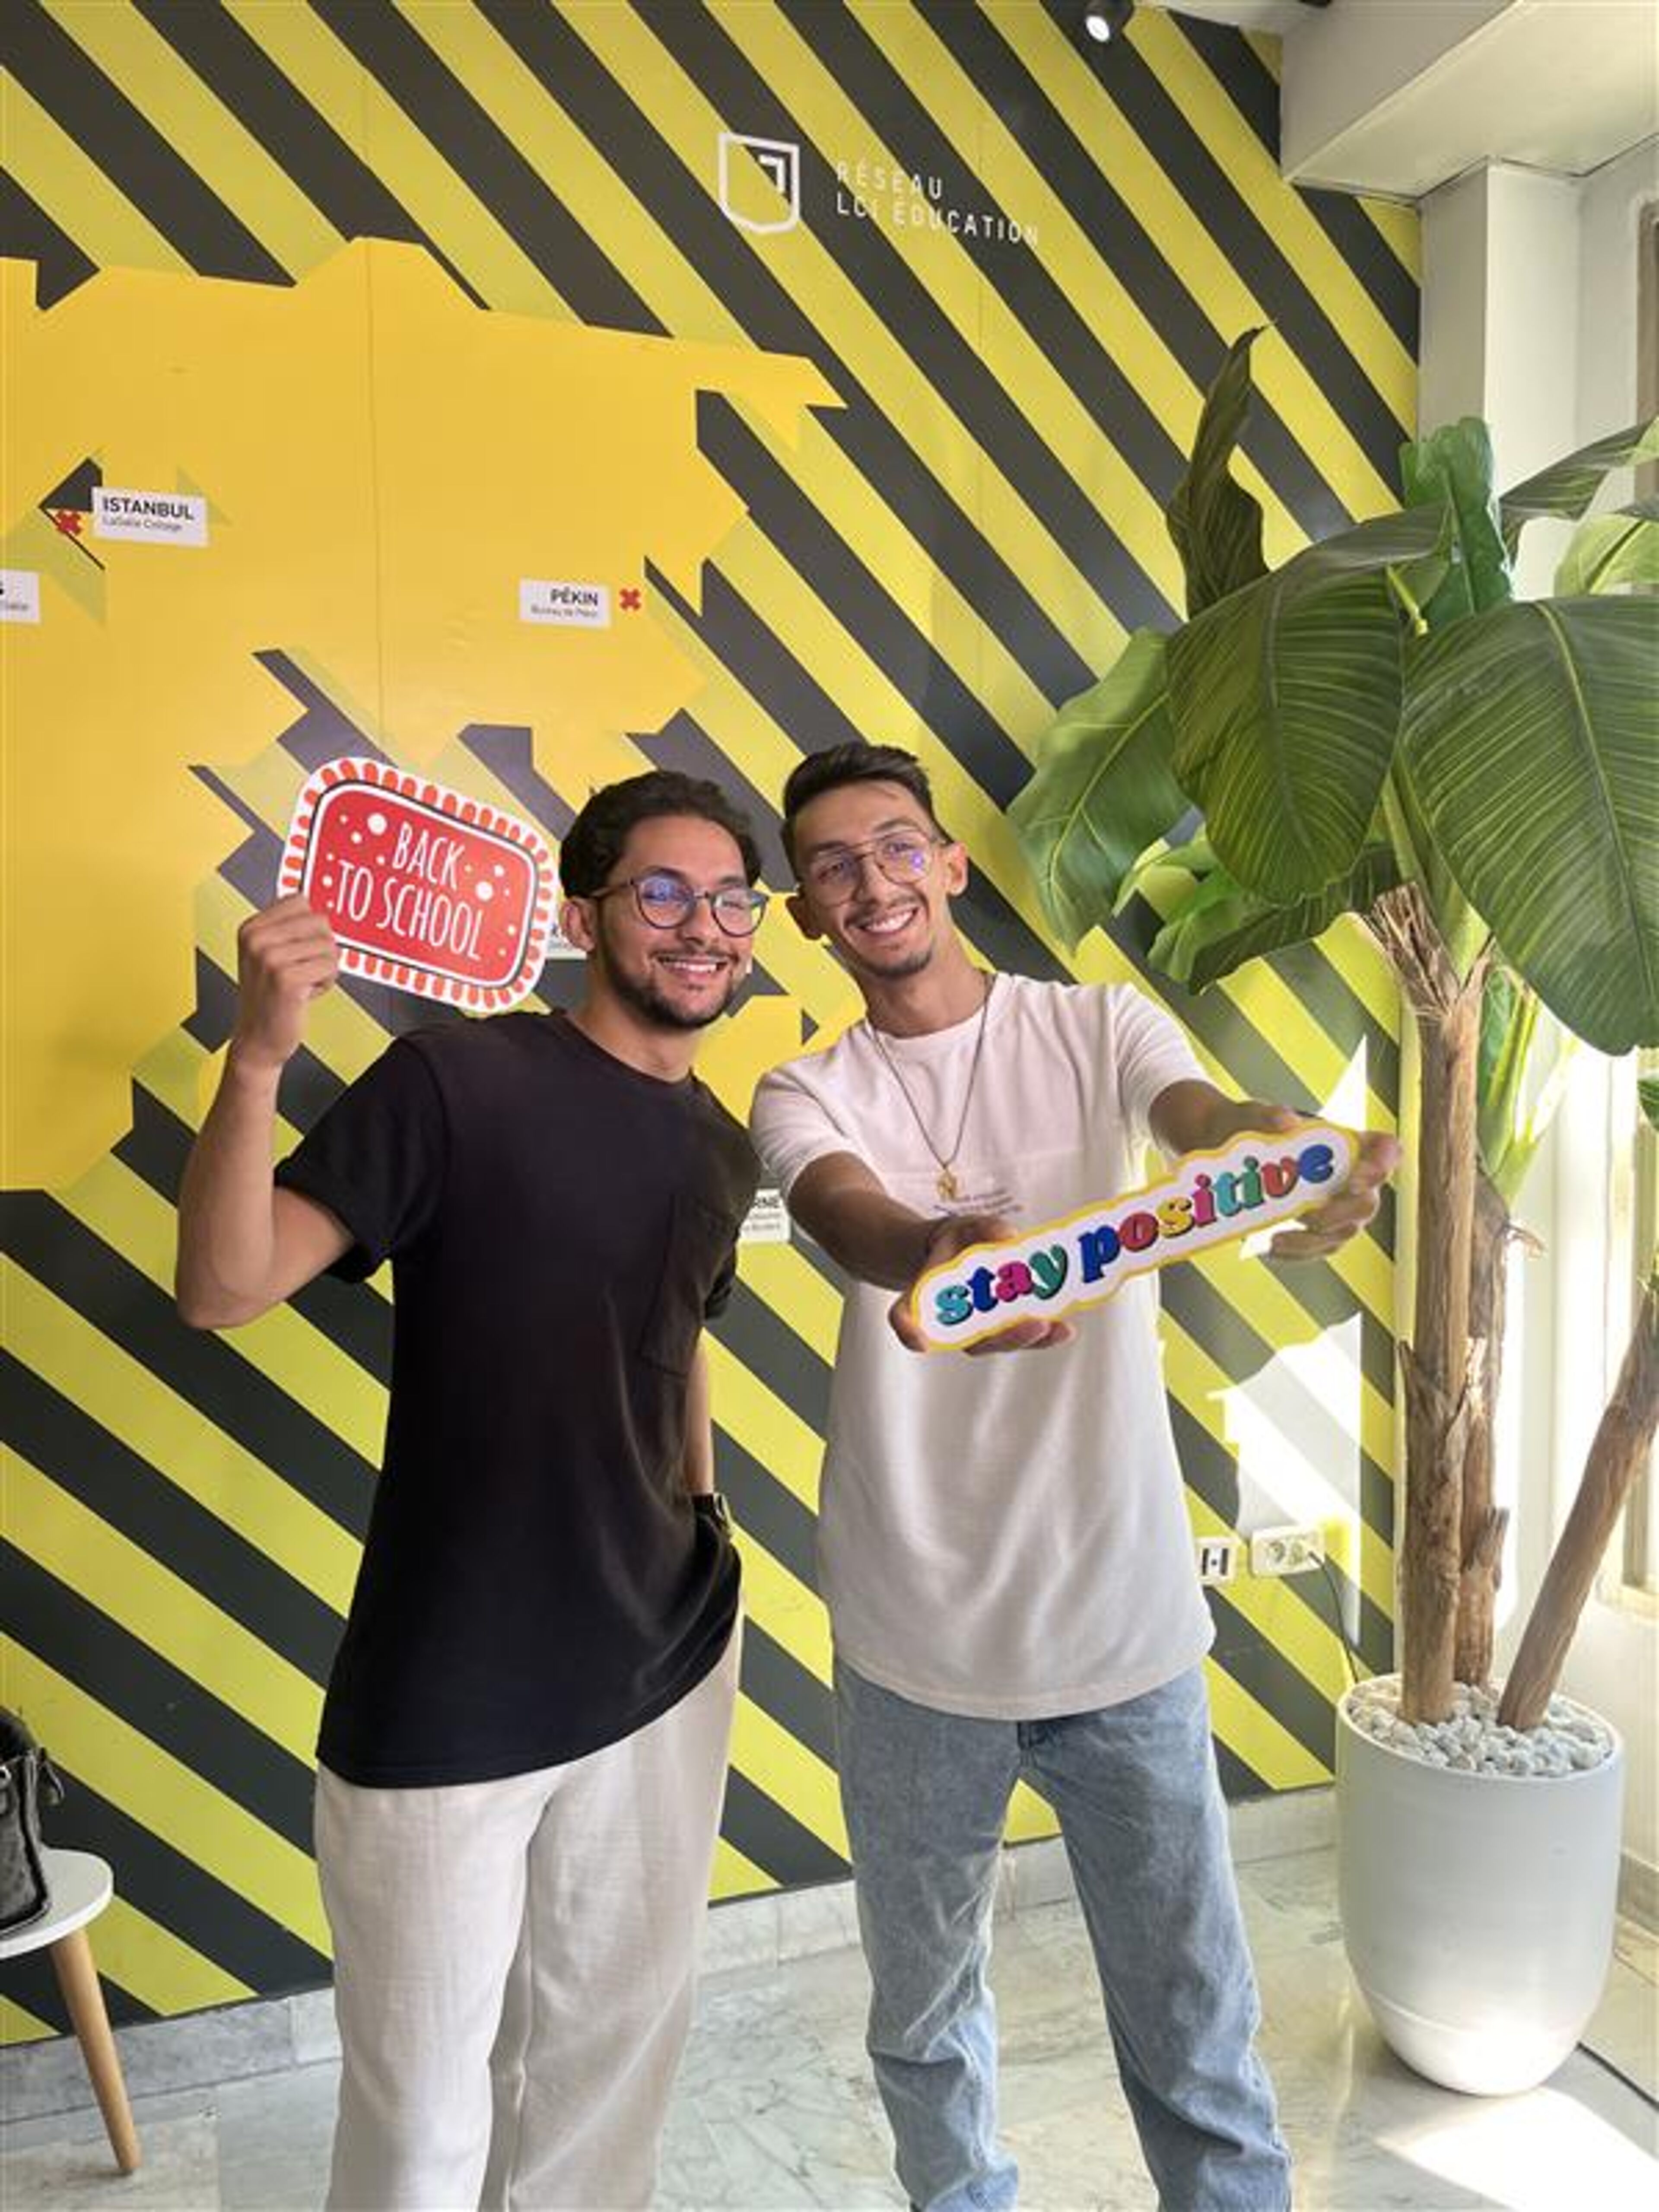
893,969
655,1006
901,955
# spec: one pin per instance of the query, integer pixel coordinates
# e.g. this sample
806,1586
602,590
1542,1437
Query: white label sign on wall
20,595
559,946
766,1221
155,517
567,606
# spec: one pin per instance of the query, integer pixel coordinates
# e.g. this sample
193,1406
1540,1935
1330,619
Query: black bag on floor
27,1776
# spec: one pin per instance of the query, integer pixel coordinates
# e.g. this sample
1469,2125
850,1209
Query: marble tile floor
775,2108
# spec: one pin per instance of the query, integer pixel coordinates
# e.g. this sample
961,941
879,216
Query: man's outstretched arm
244,1245
842,1204
845,1205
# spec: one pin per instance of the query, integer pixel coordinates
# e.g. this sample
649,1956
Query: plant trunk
1622,1442
1483,1523
1436,1363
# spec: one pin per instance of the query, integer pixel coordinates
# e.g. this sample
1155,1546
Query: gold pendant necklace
945,1183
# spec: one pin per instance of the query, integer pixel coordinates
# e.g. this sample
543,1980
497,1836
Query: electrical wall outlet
1218,1558
1290,1551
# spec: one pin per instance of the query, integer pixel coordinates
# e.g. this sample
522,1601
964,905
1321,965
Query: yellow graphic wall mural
853,350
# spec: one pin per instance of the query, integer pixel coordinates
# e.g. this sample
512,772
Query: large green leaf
1454,465
1215,523
1610,550
1564,489
1531,741
1509,1015
1101,790
1519,1098
1195,859
1286,700
1220,925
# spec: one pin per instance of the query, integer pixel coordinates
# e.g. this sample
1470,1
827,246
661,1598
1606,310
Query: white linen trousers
514,1969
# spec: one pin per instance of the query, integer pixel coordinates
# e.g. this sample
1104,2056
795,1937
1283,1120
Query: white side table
82,1886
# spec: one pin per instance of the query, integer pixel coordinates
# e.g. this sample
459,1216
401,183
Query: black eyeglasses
665,902
904,856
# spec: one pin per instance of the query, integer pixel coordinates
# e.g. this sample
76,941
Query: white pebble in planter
1478,1875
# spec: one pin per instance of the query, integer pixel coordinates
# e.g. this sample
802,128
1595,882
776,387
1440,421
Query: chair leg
78,1978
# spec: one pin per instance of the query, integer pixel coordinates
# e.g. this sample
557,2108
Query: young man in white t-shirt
1003,1543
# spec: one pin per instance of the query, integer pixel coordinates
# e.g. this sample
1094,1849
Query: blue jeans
1134,1787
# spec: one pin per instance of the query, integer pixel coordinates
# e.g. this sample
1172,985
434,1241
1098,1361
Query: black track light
1103,20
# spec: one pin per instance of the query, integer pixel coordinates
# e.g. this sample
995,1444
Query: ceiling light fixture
1103,19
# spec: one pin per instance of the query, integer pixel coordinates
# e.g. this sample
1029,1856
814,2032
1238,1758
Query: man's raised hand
286,956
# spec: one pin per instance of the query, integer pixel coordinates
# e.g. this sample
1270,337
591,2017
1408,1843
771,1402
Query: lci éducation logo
760,189
757,175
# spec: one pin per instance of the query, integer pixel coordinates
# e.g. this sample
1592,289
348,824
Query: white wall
1501,272
1344,68
1395,96
1529,317
1614,1662
1575,1328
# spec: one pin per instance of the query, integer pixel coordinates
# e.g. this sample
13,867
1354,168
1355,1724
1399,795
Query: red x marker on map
66,521
629,599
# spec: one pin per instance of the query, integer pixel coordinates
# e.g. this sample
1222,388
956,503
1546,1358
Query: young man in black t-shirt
523,1746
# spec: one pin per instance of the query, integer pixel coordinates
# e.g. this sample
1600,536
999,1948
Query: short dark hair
856,763
593,843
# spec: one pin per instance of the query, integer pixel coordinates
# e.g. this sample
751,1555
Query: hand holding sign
1211,1198
958,1232
427,889
285,957
1325,1228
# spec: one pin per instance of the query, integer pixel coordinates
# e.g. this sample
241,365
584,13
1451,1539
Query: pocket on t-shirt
699,1239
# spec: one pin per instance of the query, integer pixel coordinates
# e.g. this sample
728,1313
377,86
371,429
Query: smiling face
849,844
676,979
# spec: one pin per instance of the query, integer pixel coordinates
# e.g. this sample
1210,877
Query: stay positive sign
426,889
1257,1180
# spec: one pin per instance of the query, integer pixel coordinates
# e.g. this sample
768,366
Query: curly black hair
857,762
593,843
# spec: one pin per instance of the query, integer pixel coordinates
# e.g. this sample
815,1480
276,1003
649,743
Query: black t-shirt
535,1583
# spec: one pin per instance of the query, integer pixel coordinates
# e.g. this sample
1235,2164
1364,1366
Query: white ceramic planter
1477,1909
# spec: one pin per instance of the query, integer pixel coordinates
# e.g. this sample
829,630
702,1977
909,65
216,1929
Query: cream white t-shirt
1003,1536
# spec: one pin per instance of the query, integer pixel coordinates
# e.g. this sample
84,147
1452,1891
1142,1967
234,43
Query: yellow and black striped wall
854,345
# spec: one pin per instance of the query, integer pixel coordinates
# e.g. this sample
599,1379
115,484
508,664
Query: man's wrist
931,1228
250,1069
1232,1117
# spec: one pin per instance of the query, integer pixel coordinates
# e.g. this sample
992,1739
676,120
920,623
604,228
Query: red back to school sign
425,889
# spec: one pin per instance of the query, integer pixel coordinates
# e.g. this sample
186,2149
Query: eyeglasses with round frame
903,856
667,901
